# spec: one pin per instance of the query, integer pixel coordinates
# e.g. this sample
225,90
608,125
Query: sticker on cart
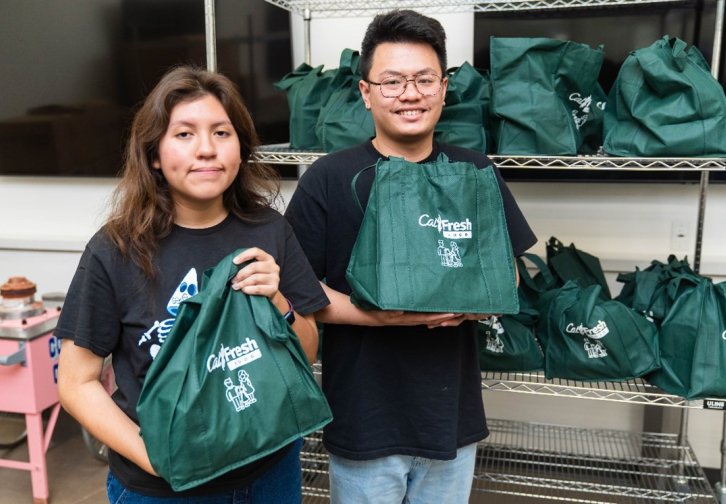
714,404
54,344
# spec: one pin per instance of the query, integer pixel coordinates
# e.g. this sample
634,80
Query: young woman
189,195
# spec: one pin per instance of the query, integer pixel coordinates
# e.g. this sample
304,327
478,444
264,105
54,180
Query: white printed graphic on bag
594,349
448,229
582,115
233,357
723,335
598,331
495,328
241,395
450,257
156,334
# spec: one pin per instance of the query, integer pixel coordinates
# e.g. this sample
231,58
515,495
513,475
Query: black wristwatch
290,315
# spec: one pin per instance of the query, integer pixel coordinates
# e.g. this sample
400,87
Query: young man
405,388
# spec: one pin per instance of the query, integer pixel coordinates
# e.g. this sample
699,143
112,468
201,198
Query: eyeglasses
393,87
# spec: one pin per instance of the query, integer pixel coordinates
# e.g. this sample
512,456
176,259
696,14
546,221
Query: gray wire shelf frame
635,391
283,154
588,465
561,463
354,8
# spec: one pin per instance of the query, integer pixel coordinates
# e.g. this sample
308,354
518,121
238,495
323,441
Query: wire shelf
564,463
586,465
635,391
355,8
283,154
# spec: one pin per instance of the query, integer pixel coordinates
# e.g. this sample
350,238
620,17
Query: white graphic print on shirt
157,333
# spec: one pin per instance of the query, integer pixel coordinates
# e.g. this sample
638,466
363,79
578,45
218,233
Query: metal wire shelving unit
345,8
566,464
636,391
283,154
533,461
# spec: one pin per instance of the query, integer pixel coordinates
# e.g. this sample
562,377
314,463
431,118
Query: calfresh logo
234,357
594,349
582,113
492,329
449,229
450,257
596,332
242,393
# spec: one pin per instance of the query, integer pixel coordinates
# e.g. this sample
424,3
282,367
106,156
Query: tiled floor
75,477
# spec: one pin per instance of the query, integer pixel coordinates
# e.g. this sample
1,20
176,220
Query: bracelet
290,315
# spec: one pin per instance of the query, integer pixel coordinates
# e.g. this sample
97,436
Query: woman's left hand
261,277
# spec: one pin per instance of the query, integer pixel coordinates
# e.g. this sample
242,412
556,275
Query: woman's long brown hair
143,210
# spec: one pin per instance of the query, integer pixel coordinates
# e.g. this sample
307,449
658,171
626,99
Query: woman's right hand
83,396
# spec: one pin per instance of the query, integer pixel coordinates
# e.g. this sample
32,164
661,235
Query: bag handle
354,183
526,278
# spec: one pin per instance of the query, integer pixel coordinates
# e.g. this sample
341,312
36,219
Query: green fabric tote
693,344
433,239
508,343
344,120
571,263
541,94
466,113
665,102
230,385
653,290
531,288
591,339
308,89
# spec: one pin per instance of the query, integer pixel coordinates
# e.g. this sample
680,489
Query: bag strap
526,278
354,190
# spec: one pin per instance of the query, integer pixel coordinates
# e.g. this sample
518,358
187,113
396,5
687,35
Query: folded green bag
230,385
665,102
693,344
508,343
542,94
588,338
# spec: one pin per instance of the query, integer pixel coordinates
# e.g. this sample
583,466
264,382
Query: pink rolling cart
28,374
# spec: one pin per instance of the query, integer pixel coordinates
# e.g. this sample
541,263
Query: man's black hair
402,26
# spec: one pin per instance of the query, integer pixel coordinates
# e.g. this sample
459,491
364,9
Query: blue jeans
403,479
280,484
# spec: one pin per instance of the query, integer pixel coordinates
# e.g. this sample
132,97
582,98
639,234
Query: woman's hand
261,277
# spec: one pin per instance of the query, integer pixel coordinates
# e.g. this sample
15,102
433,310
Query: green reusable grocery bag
508,343
307,89
230,385
465,114
665,102
693,344
344,120
571,263
591,339
653,290
591,130
531,288
541,94
433,239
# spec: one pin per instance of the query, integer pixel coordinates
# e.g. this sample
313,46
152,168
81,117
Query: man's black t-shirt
392,390
111,308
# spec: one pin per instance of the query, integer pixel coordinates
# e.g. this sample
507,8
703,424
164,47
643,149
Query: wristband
290,315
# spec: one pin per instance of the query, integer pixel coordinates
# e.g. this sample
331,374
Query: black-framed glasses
393,87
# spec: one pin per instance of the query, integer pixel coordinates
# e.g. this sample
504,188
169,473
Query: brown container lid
17,287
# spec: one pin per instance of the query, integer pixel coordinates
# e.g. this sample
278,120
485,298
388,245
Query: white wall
44,223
